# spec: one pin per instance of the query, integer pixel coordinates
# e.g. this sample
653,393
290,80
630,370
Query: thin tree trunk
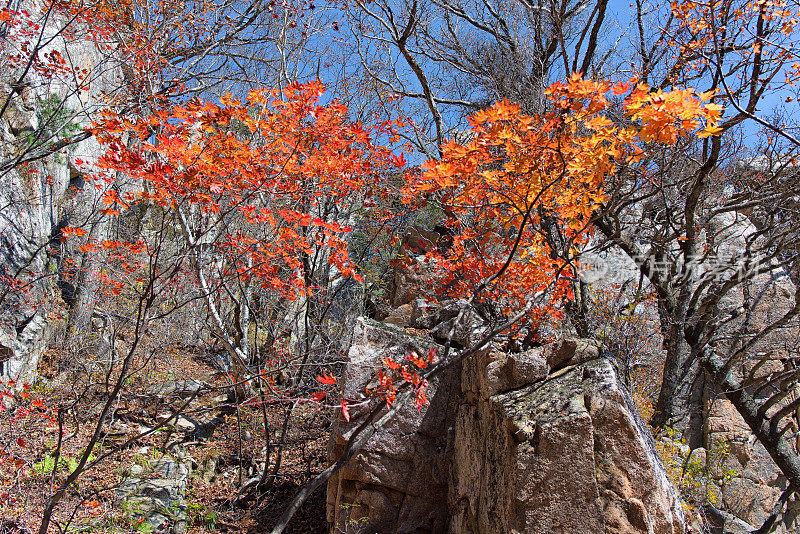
87,288
680,400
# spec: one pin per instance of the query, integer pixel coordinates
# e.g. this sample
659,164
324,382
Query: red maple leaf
325,378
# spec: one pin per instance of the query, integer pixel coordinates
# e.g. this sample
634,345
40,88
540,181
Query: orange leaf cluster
519,175
397,373
271,171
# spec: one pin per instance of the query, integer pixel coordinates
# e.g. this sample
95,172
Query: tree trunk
680,401
779,448
87,287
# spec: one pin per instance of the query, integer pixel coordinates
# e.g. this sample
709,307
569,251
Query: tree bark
768,434
680,400
87,287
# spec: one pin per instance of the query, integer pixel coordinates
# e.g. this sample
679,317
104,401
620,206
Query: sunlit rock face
41,195
542,441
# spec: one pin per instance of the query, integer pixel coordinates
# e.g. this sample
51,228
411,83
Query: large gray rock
183,389
568,454
399,479
454,320
543,441
155,494
41,197
20,353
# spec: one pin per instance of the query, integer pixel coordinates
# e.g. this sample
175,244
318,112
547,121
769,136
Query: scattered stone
400,316
570,352
185,424
164,416
207,470
176,388
221,399
207,427
419,240
698,459
440,321
200,428
117,430
423,314
135,470
154,495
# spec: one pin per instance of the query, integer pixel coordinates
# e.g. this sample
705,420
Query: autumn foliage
259,183
520,174
244,207
254,180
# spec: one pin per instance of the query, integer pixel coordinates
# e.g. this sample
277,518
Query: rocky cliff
42,190
543,441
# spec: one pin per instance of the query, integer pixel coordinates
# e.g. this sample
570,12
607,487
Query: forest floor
68,403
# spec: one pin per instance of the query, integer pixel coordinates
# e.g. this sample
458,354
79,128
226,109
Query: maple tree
242,193
743,53
255,193
669,212
68,60
252,187
245,200
162,51
496,188
520,173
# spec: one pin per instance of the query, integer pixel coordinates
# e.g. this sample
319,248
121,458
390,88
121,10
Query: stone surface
176,388
399,480
506,372
745,477
27,348
721,522
154,494
543,441
419,240
7,338
48,194
400,316
454,320
565,454
423,313
410,281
